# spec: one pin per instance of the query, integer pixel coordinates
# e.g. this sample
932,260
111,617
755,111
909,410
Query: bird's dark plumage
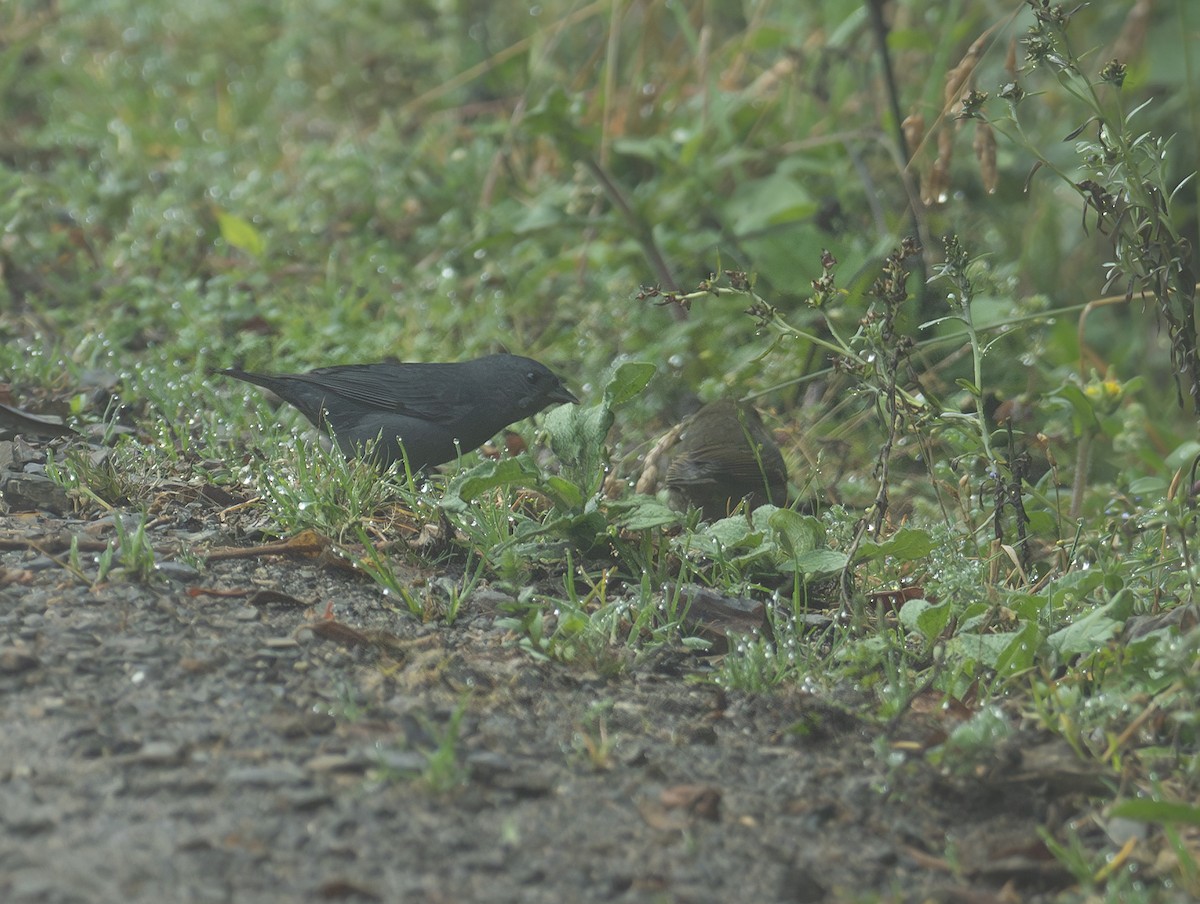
725,454
436,411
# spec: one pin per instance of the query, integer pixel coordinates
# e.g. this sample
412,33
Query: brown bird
726,454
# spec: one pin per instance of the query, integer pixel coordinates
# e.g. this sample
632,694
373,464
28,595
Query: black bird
434,411
725,454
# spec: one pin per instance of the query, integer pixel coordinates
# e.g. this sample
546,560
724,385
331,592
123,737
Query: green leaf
721,539
1158,811
1146,486
985,649
815,563
768,201
642,513
795,533
1021,650
577,437
907,545
926,618
628,381
1182,455
1093,631
656,149
981,734
1028,606
932,323
1085,419
1071,589
578,434
585,529
800,540
565,494
1042,523
240,234
732,533
469,485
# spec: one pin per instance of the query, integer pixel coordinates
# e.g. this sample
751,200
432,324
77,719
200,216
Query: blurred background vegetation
297,183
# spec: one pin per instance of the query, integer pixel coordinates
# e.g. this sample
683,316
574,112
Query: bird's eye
531,377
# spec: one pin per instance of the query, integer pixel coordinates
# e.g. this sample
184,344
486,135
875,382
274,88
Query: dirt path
163,744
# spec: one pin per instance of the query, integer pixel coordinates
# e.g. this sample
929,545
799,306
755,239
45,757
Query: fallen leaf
337,632
703,801
305,543
268,596
216,591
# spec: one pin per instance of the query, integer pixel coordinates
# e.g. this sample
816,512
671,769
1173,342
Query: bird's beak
562,394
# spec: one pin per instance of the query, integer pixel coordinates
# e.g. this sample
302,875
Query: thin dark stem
880,31
642,230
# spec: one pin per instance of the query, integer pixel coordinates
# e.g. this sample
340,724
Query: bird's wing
710,463
424,391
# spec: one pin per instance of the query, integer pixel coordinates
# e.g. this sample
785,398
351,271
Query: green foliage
321,490
974,741
443,770
578,435
769,540
710,208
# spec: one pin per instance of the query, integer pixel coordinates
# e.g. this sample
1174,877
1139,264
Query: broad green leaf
1021,650
907,545
1085,412
1182,455
565,494
795,533
469,485
1092,631
1071,589
642,513
768,201
982,732
985,649
583,529
1042,523
721,538
240,234
1028,606
1145,486
629,380
815,563
577,437
926,618
578,434
760,518
733,532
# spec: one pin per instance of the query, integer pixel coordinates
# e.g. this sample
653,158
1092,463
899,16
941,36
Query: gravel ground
214,735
